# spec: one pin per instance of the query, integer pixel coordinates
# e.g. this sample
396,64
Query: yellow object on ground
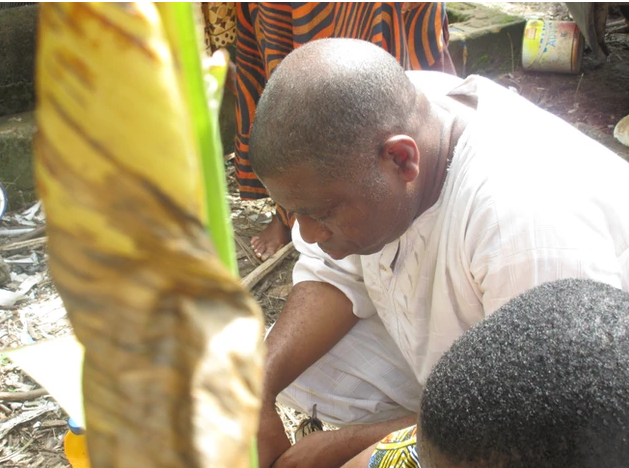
75,447
552,46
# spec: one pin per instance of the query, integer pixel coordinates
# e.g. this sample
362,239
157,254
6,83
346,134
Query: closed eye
322,218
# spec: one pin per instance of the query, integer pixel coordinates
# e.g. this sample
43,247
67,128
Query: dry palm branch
129,167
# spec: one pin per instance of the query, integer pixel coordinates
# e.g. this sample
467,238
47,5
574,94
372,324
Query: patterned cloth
219,20
398,449
414,33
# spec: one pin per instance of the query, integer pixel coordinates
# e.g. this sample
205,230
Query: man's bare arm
315,318
332,449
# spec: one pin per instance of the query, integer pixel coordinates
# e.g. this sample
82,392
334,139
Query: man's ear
400,153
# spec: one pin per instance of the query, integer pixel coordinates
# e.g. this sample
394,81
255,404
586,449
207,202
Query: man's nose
312,231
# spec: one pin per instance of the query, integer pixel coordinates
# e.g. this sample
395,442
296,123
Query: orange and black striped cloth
414,33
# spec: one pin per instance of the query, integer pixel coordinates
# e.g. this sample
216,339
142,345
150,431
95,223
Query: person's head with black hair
542,383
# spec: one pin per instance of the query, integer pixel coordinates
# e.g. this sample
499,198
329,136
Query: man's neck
444,126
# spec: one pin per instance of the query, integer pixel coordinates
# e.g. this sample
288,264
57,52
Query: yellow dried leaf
173,344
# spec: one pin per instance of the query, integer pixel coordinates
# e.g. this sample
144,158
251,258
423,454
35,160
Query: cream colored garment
527,199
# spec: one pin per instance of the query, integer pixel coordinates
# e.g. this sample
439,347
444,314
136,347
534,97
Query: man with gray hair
424,203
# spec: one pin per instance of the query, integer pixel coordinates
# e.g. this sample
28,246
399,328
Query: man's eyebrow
305,211
309,211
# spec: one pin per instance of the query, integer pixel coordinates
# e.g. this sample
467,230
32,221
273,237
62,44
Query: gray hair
330,104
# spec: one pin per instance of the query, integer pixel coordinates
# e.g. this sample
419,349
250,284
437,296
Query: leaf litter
32,429
31,311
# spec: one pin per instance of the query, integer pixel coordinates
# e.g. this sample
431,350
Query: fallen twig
15,232
26,416
267,267
54,423
512,55
37,232
23,396
18,451
576,93
247,250
22,244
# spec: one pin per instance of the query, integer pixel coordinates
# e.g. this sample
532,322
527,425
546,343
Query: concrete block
16,148
483,40
16,156
18,28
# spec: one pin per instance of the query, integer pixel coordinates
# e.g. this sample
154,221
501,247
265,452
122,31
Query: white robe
527,199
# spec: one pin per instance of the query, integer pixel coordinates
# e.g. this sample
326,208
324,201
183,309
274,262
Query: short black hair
542,383
330,104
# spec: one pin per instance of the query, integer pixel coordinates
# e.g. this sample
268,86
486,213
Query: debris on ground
32,425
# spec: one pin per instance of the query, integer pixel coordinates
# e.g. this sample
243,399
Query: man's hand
317,450
316,316
332,449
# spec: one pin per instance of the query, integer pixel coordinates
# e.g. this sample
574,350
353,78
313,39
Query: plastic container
552,46
75,446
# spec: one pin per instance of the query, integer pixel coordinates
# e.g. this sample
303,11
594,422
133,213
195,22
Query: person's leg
254,48
427,36
363,379
444,62
250,81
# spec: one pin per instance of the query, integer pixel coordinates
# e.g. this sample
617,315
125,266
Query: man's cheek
351,231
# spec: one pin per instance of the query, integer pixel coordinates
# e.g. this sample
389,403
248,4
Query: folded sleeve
346,274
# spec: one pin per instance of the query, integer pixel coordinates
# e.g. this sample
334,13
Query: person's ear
400,153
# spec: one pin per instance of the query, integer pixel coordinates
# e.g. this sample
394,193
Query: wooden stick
247,250
23,396
32,234
54,423
267,267
26,416
18,451
21,245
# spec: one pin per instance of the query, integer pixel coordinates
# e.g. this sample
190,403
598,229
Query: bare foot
271,239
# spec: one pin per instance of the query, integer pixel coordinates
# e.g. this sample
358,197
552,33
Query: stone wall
18,25
16,157
483,40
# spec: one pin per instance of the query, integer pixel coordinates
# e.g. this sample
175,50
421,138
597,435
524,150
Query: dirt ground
594,100
32,427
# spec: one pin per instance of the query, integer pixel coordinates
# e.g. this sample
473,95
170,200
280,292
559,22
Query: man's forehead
302,194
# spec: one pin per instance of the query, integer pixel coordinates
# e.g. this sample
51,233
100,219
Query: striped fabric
398,449
266,32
